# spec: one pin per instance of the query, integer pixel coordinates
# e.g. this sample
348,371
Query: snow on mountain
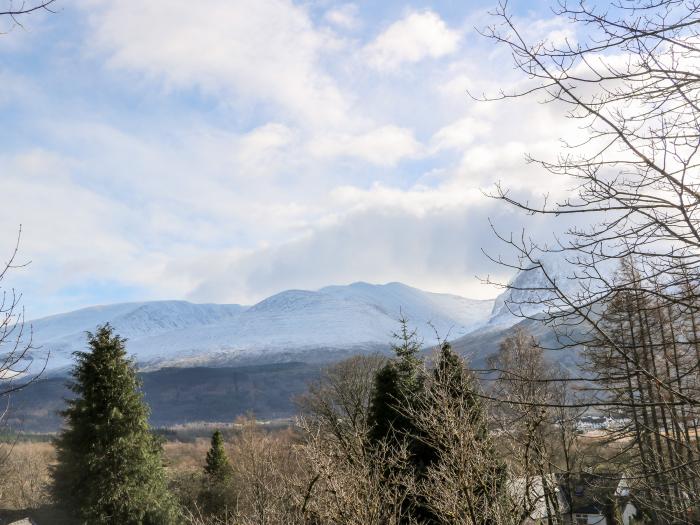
144,318
354,317
529,288
58,336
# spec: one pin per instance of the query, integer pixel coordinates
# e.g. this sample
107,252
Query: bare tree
658,440
631,81
338,403
357,485
630,78
25,480
529,397
15,11
636,172
467,483
18,367
266,476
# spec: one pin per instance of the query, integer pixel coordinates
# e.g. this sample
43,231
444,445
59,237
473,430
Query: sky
225,150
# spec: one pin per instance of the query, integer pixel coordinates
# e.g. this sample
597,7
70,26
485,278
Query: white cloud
434,247
344,16
418,36
418,200
384,146
267,50
459,134
69,231
301,167
433,250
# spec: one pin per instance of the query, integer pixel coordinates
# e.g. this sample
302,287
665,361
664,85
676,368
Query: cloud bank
229,151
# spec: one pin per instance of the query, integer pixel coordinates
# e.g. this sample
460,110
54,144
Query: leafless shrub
264,467
355,485
25,475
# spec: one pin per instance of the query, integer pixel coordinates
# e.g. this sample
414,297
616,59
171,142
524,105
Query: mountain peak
530,287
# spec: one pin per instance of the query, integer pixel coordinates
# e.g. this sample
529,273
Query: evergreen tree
455,400
216,497
384,417
399,388
423,410
458,383
217,467
109,468
396,384
451,374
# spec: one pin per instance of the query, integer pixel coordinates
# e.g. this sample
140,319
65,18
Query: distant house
588,423
598,499
582,499
591,423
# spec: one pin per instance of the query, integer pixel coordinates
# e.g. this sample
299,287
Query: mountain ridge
339,318
212,362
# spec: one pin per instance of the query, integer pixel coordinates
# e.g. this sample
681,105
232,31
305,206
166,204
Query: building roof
590,493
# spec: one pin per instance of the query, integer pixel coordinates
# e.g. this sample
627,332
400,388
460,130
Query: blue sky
224,150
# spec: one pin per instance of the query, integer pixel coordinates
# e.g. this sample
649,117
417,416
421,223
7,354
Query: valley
209,363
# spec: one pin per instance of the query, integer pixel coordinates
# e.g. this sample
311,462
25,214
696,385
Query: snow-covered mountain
356,317
525,291
529,288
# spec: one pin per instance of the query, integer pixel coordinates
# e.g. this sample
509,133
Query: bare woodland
630,80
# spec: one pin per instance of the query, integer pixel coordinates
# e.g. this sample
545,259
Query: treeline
378,441
644,361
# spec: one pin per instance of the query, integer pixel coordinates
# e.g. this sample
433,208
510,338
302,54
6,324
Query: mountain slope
530,288
312,324
477,346
232,359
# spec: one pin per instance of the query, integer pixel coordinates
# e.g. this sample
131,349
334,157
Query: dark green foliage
183,395
217,465
109,468
384,415
455,379
217,497
451,375
449,369
406,404
399,388
397,384
408,363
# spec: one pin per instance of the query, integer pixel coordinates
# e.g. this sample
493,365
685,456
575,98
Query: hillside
477,346
181,395
208,362
317,326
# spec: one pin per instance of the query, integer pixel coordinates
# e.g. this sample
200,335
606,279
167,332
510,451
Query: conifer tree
460,397
217,467
398,393
109,468
216,497
461,469
396,384
451,375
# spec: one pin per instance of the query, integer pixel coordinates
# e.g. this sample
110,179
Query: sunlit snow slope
354,317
